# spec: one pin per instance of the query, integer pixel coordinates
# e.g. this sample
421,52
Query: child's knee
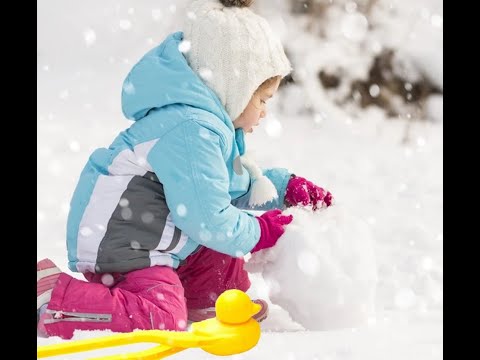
178,319
171,302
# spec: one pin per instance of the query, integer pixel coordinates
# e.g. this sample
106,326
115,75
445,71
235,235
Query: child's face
256,108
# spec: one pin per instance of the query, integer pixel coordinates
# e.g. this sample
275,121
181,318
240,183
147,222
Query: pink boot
47,276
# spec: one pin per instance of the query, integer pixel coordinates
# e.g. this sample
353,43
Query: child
156,222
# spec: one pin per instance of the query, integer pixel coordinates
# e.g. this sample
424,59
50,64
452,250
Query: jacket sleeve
279,177
189,163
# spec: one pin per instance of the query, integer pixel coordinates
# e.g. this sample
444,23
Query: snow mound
322,270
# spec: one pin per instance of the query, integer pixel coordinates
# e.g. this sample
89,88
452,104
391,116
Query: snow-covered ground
388,172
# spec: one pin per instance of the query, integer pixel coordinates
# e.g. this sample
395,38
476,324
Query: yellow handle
86,345
157,352
172,339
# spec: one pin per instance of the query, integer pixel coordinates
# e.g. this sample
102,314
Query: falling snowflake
184,46
63,94
437,294
125,24
371,321
436,20
55,168
40,216
350,7
354,26
141,161
425,13
86,231
239,254
191,15
408,152
65,207
123,202
319,118
421,141
107,280
374,90
405,298
147,217
182,324
156,14
126,213
90,37
135,245
427,263
181,210
273,127
74,146
375,46
205,235
128,88
206,73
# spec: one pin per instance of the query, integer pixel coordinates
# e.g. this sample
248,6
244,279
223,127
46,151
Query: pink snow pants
151,298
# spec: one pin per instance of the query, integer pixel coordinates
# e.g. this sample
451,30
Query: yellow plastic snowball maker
232,331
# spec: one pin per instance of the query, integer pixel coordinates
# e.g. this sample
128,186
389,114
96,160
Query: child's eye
263,101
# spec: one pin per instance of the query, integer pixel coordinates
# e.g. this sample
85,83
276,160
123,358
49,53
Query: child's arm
189,163
279,177
292,191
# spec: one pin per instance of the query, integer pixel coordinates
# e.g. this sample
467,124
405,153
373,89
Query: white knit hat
233,50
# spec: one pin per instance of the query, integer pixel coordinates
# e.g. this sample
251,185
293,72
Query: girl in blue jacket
157,222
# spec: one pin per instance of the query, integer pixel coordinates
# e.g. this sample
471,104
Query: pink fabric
151,298
301,191
272,225
207,273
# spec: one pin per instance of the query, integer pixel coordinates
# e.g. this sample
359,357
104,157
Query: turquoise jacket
167,185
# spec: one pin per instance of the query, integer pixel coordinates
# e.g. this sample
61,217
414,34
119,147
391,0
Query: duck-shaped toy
232,331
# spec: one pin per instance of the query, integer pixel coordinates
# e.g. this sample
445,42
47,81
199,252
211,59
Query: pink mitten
300,191
271,228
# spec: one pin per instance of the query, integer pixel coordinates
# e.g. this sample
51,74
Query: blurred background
361,115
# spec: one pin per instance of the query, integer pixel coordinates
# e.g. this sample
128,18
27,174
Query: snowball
322,270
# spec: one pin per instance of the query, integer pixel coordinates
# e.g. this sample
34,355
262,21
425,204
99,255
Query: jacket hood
163,77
